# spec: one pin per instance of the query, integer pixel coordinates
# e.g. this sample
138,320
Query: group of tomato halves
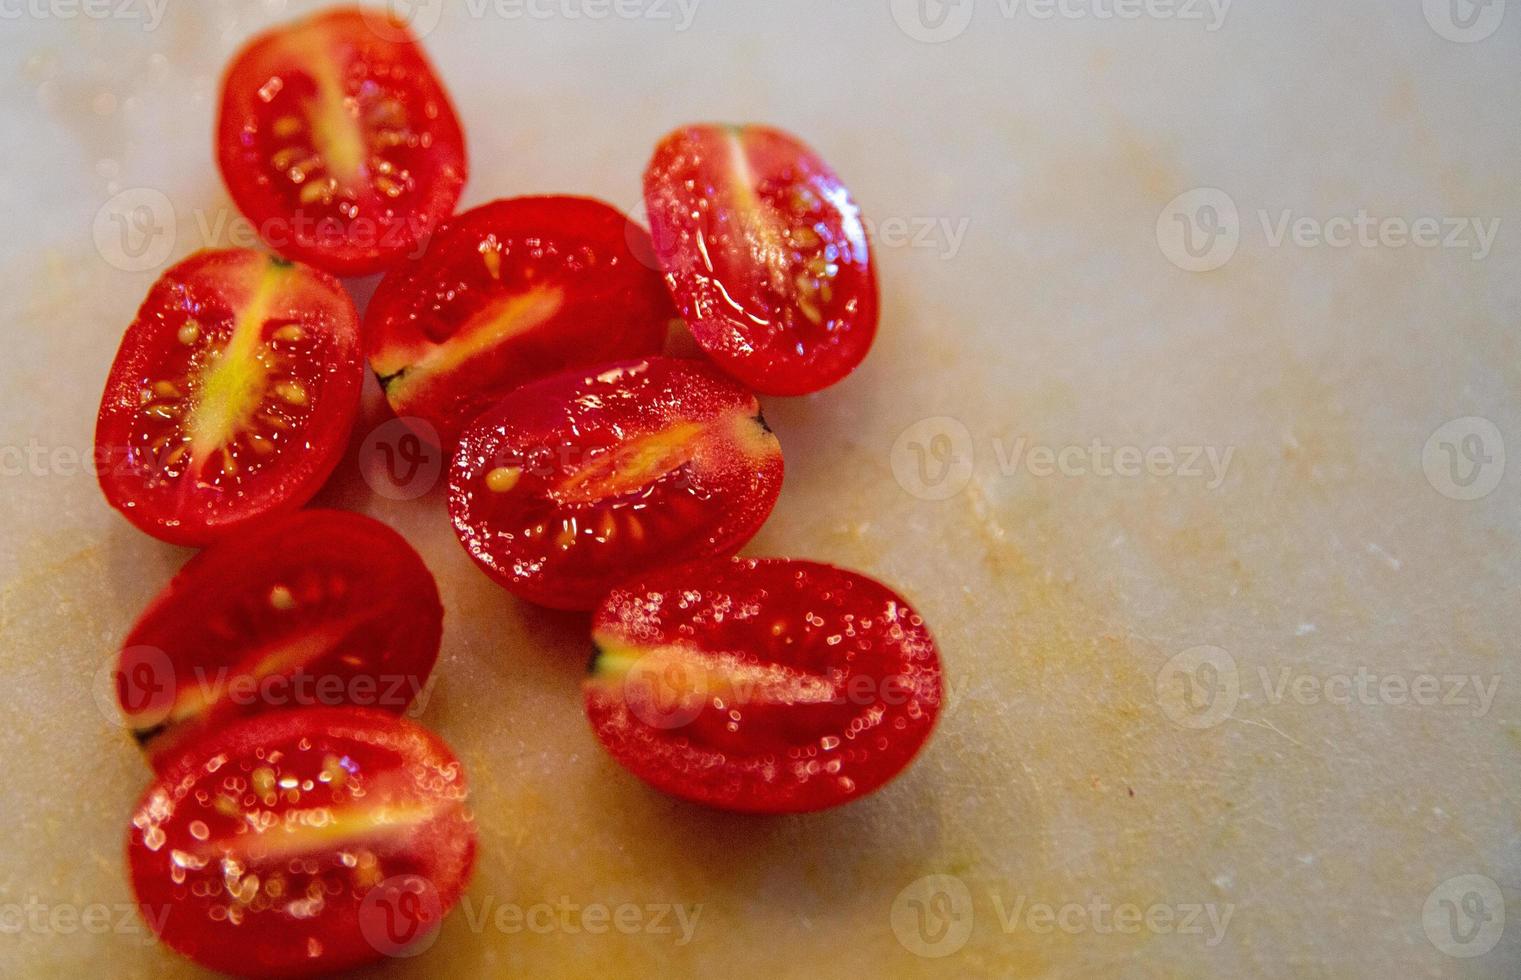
298,822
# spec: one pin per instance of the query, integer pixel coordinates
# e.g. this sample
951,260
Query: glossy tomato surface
303,842
338,142
765,685
509,292
231,397
318,608
765,254
576,482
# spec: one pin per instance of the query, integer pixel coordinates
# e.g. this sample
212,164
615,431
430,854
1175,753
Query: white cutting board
1019,170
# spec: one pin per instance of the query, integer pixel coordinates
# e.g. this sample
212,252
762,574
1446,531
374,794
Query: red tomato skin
710,504
315,233
126,468
787,755
402,763
765,255
280,583
610,304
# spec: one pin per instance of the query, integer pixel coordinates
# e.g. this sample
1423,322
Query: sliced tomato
231,397
509,292
765,254
303,842
319,608
338,142
575,482
762,684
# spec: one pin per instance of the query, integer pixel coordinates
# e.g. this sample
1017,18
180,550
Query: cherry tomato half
321,607
575,482
338,142
765,254
303,842
509,292
231,397
762,684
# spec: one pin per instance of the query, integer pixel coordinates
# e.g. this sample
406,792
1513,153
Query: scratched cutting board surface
1186,429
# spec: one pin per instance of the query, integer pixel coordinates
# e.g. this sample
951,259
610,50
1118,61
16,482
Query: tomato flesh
276,848
338,142
765,254
760,684
231,397
575,482
509,292
315,608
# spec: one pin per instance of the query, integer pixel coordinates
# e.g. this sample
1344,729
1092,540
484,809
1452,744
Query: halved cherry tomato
765,254
762,684
575,482
512,291
338,142
319,608
231,397
303,842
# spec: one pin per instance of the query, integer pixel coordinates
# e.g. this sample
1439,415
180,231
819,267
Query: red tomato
575,482
231,397
509,292
762,684
765,254
337,141
303,842
318,608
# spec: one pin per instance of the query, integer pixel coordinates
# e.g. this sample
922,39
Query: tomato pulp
509,292
575,482
762,684
765,254
338,142
231,397
303,842
315,608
